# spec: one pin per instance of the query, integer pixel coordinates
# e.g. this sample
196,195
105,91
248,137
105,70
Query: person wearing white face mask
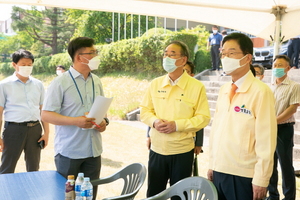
60,69
214,41
287,100
69,97
243,133
22,98
175,106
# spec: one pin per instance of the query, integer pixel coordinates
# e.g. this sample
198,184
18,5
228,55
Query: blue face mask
278,72
169,64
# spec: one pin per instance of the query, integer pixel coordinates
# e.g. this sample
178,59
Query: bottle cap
86,178
80,174
70,177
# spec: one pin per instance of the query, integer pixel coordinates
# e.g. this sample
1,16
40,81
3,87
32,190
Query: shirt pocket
185,106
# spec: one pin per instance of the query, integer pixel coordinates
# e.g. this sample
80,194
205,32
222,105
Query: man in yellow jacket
243,133
175,107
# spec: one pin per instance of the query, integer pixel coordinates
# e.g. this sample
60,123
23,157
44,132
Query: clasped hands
164,126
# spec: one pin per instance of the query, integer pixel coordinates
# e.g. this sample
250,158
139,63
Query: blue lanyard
78,89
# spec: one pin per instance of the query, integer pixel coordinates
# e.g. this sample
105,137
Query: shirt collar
180,81
75,73
242,83
241,80
15,78
286,81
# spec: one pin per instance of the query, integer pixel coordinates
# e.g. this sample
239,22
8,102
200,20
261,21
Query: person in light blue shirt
21,99
78,146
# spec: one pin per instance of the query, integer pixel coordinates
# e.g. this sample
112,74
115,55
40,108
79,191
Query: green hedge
140,55
6,68
202,60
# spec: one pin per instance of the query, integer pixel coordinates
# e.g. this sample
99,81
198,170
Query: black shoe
212,69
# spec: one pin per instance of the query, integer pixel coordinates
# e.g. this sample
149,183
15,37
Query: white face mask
231,64
25,71
169,64
58,72
93,63
215,31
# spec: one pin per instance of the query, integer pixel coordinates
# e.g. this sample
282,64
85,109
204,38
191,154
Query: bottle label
77,188
69,191
86,193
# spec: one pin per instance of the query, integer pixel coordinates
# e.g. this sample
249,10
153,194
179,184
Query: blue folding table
40,185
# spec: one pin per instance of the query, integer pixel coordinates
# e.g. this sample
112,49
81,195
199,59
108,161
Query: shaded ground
124,143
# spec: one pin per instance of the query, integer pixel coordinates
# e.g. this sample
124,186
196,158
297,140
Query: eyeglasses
95,53
171,55
229,54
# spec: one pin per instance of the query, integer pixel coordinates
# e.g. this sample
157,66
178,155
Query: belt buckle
31,124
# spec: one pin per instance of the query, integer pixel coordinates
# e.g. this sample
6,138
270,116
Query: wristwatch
106,120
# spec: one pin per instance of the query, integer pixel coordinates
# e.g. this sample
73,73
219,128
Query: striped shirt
286,93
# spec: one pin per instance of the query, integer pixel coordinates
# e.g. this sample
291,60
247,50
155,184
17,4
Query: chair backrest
192,188
133,175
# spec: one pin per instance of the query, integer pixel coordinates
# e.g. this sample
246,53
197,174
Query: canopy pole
278,11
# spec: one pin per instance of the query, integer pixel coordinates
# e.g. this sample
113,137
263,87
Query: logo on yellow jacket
242,109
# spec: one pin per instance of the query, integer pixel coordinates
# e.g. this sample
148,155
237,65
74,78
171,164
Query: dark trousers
215,57
284,153
89,166
293,51
232,187
17,138
162,168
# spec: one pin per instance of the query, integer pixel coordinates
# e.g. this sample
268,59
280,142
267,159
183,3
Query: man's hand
101,127
148,142
84,122
44,137
164,126
210,174
259,192
1,145
197,150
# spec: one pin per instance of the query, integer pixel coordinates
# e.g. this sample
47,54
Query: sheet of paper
99,108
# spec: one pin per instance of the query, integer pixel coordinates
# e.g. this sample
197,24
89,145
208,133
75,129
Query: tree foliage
98,25
9,44
47,26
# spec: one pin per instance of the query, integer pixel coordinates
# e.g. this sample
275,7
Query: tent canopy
255,17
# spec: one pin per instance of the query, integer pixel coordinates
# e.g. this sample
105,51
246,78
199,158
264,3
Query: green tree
98,25
10,44
202,33
47,26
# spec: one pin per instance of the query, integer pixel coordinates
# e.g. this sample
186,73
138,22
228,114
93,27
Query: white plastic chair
191,188
134,176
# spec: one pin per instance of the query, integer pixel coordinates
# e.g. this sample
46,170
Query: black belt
286,124
215,45
29,123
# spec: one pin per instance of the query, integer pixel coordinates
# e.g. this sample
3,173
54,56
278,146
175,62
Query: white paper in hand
99,108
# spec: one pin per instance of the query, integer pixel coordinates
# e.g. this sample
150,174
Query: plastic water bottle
78,183
69,188
86,189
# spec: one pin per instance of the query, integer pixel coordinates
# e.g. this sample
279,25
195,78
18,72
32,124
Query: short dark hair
21,53
79,43
184,49
60,66
192,66
286,58
224,32
262,69
243,40
215,26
